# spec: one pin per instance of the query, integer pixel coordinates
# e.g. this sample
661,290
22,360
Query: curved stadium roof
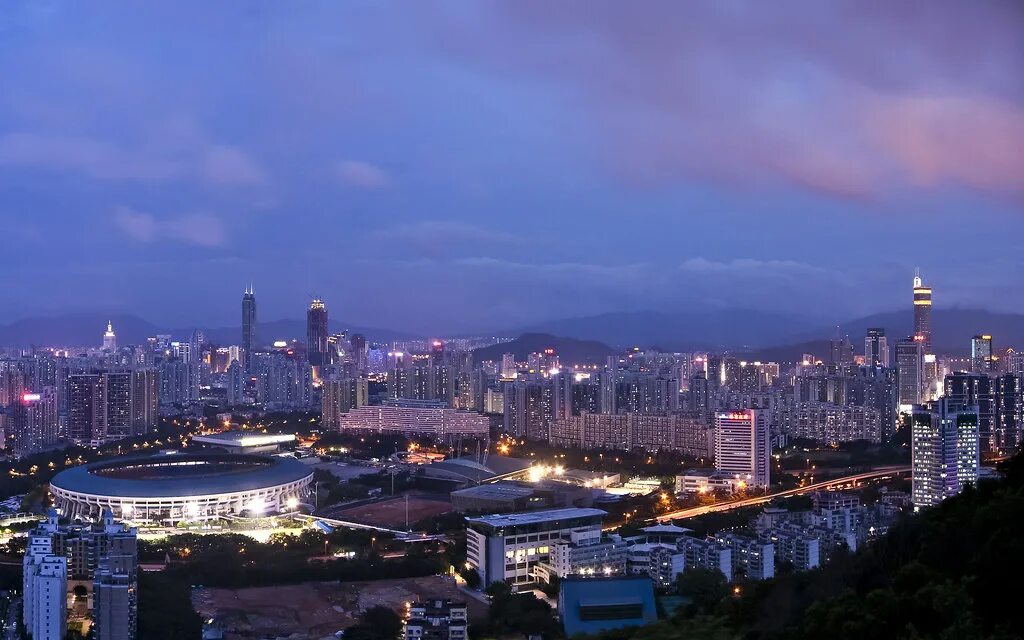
256,472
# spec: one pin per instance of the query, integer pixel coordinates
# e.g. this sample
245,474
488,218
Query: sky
460,166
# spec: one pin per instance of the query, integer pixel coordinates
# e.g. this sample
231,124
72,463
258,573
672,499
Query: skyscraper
743,446
981,354
109,338
876,348
248,327
944,451
316,333
910,371
923,311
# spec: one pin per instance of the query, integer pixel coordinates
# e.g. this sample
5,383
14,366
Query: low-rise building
594,605
436,620
508,547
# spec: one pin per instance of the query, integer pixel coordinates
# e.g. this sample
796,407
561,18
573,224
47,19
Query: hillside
569,350
943,574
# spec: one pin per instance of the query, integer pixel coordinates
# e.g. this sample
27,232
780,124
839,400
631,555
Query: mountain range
763,335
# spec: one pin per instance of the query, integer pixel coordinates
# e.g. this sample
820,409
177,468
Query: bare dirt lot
316,610
391,513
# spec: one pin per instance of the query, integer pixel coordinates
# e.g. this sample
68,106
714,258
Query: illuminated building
508,547
248,327
437,620
167,488
945,454
910,383
339,395
981,354
316,334
438,422
676,432
35,421
109,339
743,446
974,391
876,348
923,311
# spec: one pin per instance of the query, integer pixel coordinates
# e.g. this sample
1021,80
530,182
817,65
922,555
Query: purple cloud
193,228
362,175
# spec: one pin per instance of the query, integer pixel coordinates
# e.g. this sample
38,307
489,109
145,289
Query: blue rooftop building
593,605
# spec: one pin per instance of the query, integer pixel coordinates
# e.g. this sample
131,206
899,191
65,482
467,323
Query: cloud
849,99
193,228
363,175
102,159
230,166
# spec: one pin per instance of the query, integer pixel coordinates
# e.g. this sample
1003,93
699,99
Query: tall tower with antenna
248,326
922,311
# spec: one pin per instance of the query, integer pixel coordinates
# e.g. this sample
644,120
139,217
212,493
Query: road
750,502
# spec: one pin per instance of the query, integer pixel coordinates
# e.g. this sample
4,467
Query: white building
509,547
743,446
945,454
45,586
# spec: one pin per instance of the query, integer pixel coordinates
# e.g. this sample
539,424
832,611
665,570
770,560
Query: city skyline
463,173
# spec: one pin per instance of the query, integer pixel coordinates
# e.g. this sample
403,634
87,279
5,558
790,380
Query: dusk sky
454,166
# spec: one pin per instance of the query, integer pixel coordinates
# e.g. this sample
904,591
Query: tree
377,623
704,587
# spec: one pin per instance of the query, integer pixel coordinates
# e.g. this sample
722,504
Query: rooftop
244,438
535,517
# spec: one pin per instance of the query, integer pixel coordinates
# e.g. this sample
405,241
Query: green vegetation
944,574
377,623
516,613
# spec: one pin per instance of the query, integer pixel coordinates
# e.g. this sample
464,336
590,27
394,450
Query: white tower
109,339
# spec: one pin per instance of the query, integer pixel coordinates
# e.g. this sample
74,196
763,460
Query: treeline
946,573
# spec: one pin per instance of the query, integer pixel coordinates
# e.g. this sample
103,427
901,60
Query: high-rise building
981,354
359,353
101,557
840,351
944,451
316,334
743,446
910,382
35,421
974,391
248,327
876,348
109,338
923,311
1009,406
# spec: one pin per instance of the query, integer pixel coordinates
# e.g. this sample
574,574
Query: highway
880,472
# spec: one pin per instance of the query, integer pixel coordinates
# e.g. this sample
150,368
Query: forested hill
947,573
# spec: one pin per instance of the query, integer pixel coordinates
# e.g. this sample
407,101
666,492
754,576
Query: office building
923,312
975,392
945,454
109,339
316,334
248,327
743,446
508,547
437,620
876,348
981,354
910,382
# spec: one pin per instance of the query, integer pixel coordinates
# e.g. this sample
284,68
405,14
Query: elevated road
880,472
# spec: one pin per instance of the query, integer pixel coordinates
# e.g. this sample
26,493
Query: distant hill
569,350
951,328
85,329
705,330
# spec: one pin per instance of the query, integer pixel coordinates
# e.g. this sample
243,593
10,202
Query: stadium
172,487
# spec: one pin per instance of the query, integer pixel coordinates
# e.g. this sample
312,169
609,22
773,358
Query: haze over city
492,164
511,320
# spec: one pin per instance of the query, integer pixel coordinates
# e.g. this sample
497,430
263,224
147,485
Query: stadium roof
536,517
244,438
257,472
